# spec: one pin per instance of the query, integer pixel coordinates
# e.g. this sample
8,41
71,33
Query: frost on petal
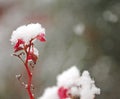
50,93
68,77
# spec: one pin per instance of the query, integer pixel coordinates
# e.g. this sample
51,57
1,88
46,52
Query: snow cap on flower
50,93
28,32
68,77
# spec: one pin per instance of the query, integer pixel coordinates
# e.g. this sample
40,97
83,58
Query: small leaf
41,37
17,45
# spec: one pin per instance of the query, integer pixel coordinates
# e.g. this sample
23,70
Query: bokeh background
85,33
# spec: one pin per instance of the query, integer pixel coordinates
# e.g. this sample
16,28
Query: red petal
17,45
62,92
41,37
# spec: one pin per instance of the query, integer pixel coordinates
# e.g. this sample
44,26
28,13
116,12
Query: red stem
29,75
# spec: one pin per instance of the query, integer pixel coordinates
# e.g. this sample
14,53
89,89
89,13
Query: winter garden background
84,33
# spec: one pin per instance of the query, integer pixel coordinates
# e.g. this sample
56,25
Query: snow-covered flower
72,85
23,39
28,32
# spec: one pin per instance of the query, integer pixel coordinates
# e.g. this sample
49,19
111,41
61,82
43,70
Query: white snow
26,32
50,93
68,77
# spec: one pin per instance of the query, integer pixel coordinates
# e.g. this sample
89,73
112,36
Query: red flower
41,37
62,93
17,45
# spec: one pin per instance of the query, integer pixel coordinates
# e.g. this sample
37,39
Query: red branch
29,80
29,73
28,48
28,51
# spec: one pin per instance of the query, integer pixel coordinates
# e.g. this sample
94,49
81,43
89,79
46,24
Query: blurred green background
85,33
